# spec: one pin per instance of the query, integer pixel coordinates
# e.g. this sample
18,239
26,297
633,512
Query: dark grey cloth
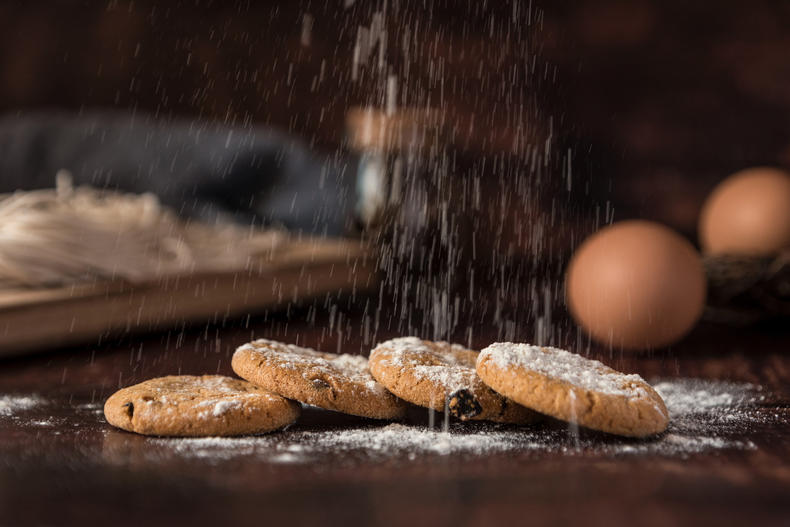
200,169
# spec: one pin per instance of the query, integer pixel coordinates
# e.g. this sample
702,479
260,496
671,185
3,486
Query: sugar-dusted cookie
432,374
572,388
339,382
211,405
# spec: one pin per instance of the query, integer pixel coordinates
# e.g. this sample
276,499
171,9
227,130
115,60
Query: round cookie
572,388
339,382
432,374
211,405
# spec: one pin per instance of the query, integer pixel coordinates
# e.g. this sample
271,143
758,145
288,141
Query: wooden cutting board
37,319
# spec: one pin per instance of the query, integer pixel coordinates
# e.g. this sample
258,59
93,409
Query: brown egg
636,285
748,213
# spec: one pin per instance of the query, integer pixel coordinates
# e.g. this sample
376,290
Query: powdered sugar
691,397
440,363
696,406
26,410
11,404
681,445
399,439
349,368
565,366
722,410
189,384
212,395
393,440
220,407
703,416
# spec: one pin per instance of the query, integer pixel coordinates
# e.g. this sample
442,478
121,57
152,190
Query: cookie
211,405
572,388
435,374
339,382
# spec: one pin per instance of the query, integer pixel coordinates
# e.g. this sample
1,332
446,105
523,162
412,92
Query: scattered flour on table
94,408
50,422
719,405
705,415
10,405
393,440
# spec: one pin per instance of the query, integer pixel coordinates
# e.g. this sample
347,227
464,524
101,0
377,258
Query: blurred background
561,116
659,100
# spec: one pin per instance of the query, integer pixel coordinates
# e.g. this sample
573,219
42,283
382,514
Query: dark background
651,103
658,100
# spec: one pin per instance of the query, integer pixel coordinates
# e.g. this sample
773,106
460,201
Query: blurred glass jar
407,203
400,158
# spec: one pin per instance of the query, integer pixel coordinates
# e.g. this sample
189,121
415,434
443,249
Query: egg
748,214
636,285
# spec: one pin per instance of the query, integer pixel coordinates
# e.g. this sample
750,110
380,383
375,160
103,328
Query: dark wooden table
77,470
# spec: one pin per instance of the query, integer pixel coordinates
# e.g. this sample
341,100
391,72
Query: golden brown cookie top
340,382
573,388
437,373
186,405
562,365
449,366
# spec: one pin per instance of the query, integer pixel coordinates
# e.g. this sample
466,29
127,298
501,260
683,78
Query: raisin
463,405
320,384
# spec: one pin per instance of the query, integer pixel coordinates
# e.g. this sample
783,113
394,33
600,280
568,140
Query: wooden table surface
77,470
